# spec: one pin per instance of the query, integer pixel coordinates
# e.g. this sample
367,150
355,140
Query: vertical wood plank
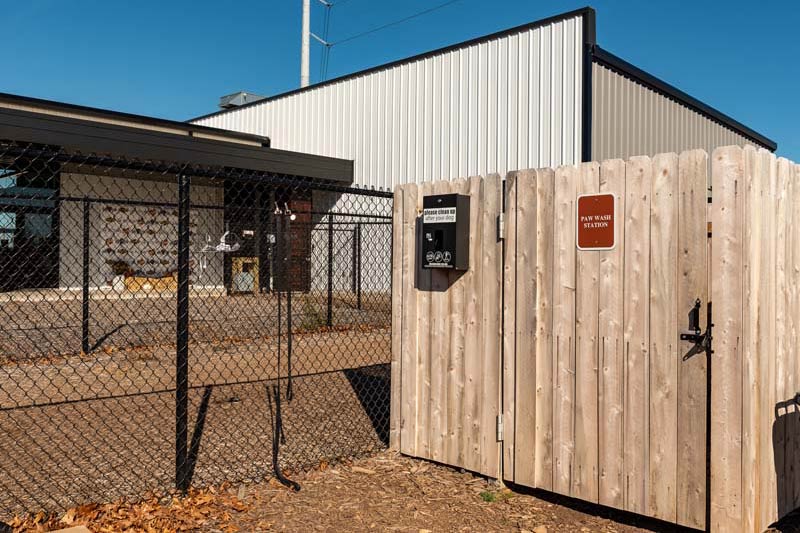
440,355
564,328
692,371
409,424
782,332
585,471
791,386
424,347
726,393
750,258
395,410
787,390
638,174
766,335
794,427
524,423
492,323
510,263
663,403
544,286
457,283
611,357
473,367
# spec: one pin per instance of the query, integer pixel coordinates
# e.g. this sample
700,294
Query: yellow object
236,268
145,284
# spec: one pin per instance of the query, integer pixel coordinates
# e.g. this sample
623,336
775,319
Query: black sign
445,231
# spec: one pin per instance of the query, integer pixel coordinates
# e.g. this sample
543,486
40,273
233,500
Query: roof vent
238,99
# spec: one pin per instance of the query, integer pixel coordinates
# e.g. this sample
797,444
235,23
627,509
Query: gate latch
701,340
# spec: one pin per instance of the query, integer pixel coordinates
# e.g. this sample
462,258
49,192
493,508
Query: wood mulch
384,492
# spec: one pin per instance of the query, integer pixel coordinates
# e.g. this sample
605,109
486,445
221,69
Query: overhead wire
394,23
325,60
323,63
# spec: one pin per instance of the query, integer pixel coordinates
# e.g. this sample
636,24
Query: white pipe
305,44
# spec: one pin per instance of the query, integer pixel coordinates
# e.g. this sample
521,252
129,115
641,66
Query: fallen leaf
69,517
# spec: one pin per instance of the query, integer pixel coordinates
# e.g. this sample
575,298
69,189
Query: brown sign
596,229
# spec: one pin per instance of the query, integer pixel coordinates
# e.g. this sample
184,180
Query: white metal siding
503,104
630,119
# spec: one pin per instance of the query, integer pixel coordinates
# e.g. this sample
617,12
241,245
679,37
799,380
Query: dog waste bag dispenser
445,231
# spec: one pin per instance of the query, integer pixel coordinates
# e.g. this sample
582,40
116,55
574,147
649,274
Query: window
8,227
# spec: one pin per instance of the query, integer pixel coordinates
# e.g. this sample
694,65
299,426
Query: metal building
541,94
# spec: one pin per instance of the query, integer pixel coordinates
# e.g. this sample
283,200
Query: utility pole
305,43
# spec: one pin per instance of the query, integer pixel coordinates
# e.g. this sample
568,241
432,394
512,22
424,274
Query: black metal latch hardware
701,340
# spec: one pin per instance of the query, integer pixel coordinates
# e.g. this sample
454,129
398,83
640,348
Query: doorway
29,228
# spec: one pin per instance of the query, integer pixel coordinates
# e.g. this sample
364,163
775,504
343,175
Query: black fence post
182,333
329,320
85,281
289,391
354,266
264,246
358,265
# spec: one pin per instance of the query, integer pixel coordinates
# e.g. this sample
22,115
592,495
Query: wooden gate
447,335
602,401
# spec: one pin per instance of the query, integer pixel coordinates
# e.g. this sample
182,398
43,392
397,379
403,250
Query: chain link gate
169,325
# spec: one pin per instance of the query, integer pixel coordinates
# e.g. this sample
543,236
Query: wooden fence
580,351
446,335
755,287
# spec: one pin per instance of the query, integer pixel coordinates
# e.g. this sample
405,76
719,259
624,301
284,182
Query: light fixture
288,211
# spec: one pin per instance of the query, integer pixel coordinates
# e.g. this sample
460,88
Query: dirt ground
390,492
384,492
100,426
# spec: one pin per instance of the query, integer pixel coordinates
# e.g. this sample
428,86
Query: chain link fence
170,325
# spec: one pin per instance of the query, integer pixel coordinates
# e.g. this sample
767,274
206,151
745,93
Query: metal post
709,354
85,310
330,271
354,266
305,43
279,256
289,392
358,265
264,228
182,351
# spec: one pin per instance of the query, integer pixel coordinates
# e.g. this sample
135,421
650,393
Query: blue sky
174,58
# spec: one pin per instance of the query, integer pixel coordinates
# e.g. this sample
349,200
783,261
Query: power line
323,63
400,21
326,52
327,48
325,59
